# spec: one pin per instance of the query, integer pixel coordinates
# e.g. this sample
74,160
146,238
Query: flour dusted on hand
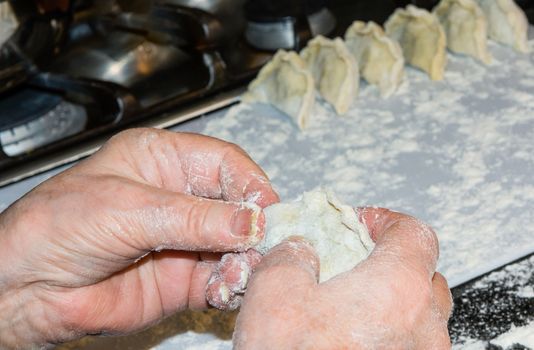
333,228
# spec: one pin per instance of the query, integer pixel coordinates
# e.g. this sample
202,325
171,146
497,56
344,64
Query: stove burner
70,80
24,105
33,118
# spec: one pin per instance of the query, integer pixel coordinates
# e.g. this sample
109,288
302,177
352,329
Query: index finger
191,163
402,241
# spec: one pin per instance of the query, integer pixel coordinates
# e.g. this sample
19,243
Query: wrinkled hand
392,300
118,241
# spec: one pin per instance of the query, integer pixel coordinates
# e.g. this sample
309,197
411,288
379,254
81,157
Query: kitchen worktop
458,154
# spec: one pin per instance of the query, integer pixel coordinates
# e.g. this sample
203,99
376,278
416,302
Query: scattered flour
516,277
457,154
470,344
526,292
516,336
496,309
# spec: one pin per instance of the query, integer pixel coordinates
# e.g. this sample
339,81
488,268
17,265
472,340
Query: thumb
291,264
161,219
402,242
278,287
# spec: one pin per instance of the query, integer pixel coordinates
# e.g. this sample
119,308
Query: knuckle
230,150
140,137
194,218
289,253
232,147
421,236
134,133
196,221
422,230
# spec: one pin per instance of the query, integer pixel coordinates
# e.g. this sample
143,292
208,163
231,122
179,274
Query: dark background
380,10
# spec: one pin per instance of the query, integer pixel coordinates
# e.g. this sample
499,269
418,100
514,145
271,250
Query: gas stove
74,72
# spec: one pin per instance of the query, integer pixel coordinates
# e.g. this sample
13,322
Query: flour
496,309
517,336
470,344
334,230
457,154
526,292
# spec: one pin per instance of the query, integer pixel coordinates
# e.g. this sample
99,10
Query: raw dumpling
334,71
466,28
334,230
380,58
287,84
421,38
8,22
507,23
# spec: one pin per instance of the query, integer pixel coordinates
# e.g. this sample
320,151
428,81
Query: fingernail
258,191
242,222
258,227
224,294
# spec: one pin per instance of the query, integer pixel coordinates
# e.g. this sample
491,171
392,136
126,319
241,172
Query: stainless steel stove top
72,79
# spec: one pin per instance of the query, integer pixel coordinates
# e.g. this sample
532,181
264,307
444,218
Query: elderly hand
392,300
118,241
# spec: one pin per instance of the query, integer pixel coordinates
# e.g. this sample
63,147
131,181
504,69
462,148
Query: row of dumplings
412,35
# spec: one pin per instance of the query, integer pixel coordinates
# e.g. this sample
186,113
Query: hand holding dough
393,298
422,39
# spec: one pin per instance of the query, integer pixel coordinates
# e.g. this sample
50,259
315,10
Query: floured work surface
458,154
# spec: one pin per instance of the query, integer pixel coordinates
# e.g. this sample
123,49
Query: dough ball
333,228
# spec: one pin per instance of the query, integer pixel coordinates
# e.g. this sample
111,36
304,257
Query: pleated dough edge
437,70
481,33
519,22
300,67
344,101
375,30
